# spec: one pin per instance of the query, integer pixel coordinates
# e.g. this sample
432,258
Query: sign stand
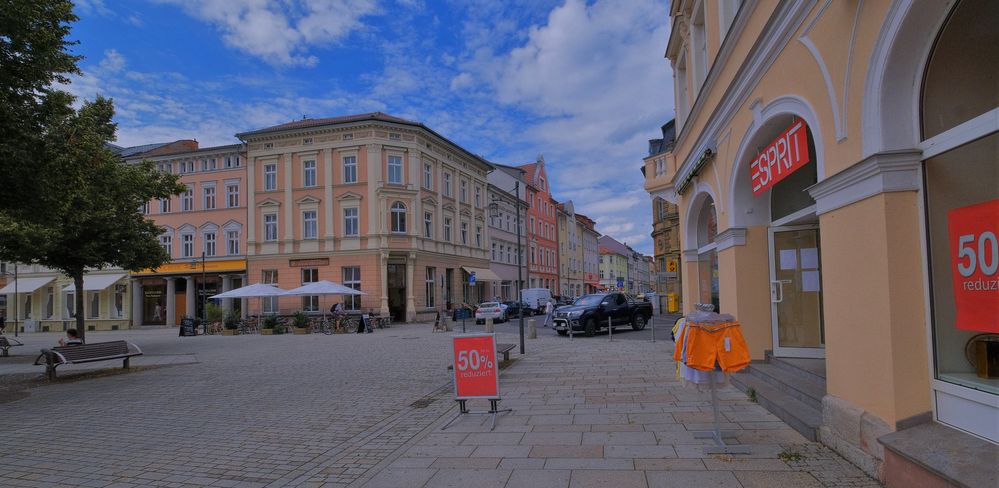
717,435
463,410
476,375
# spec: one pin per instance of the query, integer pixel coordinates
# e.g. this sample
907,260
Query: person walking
549,308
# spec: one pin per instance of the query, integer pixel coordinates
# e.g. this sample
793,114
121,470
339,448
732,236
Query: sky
584,83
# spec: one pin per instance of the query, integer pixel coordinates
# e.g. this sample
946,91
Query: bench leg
125,365
506,355
50,371
5,353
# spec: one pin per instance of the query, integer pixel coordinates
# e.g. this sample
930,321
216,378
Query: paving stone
619,438
734,463
492,439
400,478
769,479
632,452
502,451
607,478
687,479
668,464
466,463
536,478
567,452
552,438
578,463
463,478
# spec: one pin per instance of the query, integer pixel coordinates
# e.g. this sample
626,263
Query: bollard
489,326
610,329
652,323
532,329
570,331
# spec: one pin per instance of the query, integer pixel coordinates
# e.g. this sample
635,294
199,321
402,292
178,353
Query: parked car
589,313
536,298
489,310
513,309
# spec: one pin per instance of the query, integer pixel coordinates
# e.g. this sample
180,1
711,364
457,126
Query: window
707,256
166,241
352,279
164,205
270,177
478,197
310,303
309,224
269,304
232,195
350,222
209,194
398,218
478,236
270,227
428,177
187,199
348,137
309,173
232,242
393,136
209,244
95,305
447,229
209,164
447,184
463,192
542,184
232,162
395,169
464,233
187,245
494,251
350,169
431,284
428,225
307,141
533,228
698,46
145,208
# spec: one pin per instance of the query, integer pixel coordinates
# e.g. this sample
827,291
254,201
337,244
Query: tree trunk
81,325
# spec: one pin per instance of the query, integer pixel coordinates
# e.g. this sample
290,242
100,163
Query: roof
614,245
306,123
668,140
126,152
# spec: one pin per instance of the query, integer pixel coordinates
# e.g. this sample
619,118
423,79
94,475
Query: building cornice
889,171
731,237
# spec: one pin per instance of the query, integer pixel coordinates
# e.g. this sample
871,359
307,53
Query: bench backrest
91,351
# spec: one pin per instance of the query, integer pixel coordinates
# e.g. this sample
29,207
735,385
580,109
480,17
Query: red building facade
542,232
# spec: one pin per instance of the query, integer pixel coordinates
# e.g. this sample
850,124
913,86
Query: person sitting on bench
72,338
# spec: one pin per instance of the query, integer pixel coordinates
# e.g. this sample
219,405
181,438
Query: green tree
97,222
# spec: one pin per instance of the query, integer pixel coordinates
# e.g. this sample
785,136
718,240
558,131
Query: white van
536,298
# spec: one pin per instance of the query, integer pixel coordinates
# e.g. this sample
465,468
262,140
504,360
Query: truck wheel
638,322
591,327
563,332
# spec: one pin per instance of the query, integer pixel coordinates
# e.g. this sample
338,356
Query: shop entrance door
796,292
397,291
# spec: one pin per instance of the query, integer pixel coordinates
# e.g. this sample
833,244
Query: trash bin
672,303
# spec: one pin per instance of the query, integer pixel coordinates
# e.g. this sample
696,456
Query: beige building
836,169
570,250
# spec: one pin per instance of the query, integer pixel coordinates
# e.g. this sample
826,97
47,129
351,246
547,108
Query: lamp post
204,295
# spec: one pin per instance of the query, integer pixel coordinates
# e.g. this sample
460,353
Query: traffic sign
476,371
620,282
471,278
671,266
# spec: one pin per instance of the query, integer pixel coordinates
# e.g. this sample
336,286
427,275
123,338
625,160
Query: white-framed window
269,304
446,178
395,169
232,161
164,205
478,236
350,169
232,242
463,191
187,199
428,176
431,283
309,173
348,137
232,195
187,245
310,303
447,229
209,238
166,242
270,177
478,197
399,218
352,279
464,233
209,196
270,227
95,305
310,225
428,225
145,208
350,222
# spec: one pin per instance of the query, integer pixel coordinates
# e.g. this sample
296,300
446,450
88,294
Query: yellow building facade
826,153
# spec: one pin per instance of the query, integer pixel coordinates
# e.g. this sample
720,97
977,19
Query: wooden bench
505,350
6,344
86,353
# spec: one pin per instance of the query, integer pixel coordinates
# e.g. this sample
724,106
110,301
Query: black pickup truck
589,313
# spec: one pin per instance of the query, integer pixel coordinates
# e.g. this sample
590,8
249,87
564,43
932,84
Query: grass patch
790,455
751,393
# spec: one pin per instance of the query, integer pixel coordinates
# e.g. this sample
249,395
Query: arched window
399,218
707,254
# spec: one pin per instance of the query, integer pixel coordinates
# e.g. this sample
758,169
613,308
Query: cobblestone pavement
367,410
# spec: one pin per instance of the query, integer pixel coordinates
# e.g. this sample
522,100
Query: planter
267,331
229,332
300,330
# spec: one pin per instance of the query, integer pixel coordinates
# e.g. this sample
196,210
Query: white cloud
280,33
462,81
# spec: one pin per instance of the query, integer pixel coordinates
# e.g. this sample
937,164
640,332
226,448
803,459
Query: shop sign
974,256
300,263
197,265
782,157
476,372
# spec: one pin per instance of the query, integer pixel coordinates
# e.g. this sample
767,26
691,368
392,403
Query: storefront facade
182,289
43,300
839,199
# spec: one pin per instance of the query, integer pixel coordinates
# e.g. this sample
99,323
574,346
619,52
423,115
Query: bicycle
322,325
248,326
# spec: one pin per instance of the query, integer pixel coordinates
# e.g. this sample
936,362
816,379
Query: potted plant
300,323
271,322
230,323
213,316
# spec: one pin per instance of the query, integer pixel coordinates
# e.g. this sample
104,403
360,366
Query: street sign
620,282
476,371
671,266
471,278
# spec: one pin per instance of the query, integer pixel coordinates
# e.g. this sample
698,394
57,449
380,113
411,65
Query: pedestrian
548,312
3,322
72,338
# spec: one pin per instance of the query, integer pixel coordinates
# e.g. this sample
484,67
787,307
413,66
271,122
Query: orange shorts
722,344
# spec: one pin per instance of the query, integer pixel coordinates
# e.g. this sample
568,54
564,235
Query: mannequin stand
720,447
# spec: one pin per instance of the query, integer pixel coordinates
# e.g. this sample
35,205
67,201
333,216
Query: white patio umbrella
324,288
250,291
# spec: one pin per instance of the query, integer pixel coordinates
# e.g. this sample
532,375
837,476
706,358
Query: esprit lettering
780,158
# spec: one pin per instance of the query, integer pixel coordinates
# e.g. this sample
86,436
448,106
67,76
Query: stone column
192,290
171,301
410,298
226,286
244,302
383,275
135,310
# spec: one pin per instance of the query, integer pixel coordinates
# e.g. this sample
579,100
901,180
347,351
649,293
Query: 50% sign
475,370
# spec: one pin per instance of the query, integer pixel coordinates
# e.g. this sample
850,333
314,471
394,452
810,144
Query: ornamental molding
731,237
884,172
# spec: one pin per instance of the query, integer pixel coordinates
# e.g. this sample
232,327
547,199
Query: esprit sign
974,259
782,157
476,374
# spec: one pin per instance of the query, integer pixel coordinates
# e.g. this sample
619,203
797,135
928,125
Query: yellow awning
482,274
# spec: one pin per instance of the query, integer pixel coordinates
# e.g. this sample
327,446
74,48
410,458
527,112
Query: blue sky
584,83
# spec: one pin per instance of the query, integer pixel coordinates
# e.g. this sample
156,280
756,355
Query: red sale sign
974,256
476,371
782,157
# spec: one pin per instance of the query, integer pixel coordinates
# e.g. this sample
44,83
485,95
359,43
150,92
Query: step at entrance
790,388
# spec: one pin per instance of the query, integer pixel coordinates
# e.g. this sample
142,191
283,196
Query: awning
95,282
482,274
26,285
